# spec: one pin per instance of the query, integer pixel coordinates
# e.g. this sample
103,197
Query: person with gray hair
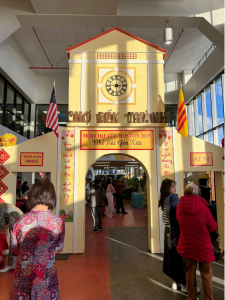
196,221
9,215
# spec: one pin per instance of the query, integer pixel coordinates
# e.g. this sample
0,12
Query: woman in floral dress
36,238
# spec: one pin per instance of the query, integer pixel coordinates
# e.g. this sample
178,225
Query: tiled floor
86,276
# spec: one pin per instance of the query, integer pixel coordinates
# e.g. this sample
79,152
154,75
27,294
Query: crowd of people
37,236
188,224
100,195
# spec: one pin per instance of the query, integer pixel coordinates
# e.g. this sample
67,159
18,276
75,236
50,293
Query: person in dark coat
205,190
173,263
196,221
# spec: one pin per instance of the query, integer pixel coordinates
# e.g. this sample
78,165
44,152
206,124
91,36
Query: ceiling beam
81,7
107,21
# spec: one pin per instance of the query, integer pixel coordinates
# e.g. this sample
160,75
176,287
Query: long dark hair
24,187
165,190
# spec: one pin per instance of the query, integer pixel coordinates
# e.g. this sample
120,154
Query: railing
205,56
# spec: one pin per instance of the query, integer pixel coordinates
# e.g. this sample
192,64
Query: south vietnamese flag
182,125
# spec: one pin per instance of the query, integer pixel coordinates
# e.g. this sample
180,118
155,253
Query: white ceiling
189,49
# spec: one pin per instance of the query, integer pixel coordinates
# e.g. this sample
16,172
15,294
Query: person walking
36,238
173,263
25,189
196,221
97,194
118,186
9,215
109,194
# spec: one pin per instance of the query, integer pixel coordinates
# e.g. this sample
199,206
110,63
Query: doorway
135,189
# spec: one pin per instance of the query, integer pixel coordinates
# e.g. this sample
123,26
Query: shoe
184,289
7,268
175,285
100,228
95,231
119,212
124,212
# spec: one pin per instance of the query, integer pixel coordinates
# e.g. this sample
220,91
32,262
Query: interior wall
44,85
14,63
172,87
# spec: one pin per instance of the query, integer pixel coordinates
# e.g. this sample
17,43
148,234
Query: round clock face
116,85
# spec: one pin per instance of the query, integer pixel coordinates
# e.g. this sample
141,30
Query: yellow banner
66,201
166,153
201,159
30,159
117,140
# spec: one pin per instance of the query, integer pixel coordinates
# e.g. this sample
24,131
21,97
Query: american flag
52,115
43,175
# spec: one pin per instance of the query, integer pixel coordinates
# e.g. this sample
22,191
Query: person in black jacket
205,190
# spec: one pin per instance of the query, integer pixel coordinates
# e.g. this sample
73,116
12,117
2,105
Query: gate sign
201,159
31,159
117,140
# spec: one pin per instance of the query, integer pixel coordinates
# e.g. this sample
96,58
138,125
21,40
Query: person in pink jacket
196,221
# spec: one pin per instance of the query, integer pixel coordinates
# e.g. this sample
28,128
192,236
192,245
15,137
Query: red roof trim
123,31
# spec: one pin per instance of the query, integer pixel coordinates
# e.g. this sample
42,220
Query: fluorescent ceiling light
62,123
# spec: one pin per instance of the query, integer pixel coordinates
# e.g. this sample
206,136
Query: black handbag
217,248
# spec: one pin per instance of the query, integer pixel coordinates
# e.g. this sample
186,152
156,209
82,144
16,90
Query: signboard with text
31,159
117,140
201,159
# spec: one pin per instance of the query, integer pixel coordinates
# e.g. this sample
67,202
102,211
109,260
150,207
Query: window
2,82
208,109
210,137
1,115
41,113
14,109
19,106
193,118
171,115
219,102
26,111
220,135
200,115
10,99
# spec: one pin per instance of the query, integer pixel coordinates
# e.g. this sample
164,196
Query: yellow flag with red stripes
182,125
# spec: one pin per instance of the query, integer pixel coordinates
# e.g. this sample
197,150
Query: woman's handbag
217,248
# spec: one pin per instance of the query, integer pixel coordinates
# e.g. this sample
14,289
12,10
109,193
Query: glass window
200,115
201,137
1,90
210,137
1,114
10,120
219,102
193,118
19,106
220,135
19,126
26,111
170,109
10,98
208,109
26,130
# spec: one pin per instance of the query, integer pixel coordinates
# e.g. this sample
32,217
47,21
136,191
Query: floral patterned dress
36,238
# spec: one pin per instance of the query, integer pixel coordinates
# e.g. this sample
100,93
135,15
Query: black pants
119,202
97,216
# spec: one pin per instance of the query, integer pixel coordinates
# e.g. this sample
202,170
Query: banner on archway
166,153
66,201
